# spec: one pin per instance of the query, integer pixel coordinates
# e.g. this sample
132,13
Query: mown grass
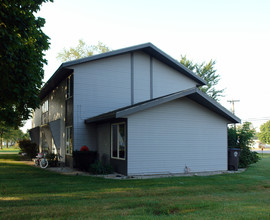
11,149
28,192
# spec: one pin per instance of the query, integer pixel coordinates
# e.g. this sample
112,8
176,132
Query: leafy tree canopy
82,50
21,59
242,136
207,72
264,135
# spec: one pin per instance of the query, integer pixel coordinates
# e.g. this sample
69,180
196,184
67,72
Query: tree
21,59
14,135
28,147
81,51
242,137
206,71
264,135
9,134
3,130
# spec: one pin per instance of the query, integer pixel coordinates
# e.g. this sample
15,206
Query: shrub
99,168
52,159
83,159
28,147
242,137
247,157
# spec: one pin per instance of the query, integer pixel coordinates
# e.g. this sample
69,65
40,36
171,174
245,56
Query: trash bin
233,158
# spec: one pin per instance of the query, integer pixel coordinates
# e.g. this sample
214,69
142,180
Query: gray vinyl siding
104,142
57,102
36,121
107,84
167,80
166,138
99,86
141,77
164,79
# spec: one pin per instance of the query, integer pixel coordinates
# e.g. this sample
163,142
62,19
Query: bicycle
41,160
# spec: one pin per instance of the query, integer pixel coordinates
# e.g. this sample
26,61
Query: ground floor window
118,140
69,147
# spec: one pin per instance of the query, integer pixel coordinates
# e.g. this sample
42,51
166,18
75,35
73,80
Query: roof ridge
148,48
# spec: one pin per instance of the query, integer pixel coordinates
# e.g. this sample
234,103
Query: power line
258,119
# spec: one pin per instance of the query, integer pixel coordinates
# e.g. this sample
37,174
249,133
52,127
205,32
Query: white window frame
125,141
45,106
68,140
45,112
68,91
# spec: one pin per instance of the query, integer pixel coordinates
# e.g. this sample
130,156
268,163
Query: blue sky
234,33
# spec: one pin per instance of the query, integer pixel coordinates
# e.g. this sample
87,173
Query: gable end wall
166,138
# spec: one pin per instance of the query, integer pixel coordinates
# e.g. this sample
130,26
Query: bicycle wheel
44,163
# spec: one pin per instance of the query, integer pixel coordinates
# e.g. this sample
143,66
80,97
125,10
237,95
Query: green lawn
32,193
11,149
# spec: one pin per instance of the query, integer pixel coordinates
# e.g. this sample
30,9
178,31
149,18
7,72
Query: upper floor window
45,107
69,93
45,112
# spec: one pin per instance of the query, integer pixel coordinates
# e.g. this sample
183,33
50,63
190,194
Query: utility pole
232,102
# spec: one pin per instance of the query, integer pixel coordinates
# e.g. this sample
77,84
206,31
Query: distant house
138,108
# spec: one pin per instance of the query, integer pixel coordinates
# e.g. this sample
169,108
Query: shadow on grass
10,157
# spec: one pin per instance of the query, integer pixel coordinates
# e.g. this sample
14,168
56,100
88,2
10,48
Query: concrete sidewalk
75,172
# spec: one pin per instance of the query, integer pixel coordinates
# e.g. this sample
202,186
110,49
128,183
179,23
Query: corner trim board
132,77
151,77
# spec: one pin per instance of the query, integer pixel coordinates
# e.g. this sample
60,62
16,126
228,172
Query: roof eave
101,118
194,94
162,56
60,74
203,99
148,48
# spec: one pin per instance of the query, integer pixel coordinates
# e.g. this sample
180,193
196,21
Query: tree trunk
1,141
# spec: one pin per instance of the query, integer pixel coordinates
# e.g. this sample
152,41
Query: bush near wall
99,168
53,159
242,137
83,159
28,147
